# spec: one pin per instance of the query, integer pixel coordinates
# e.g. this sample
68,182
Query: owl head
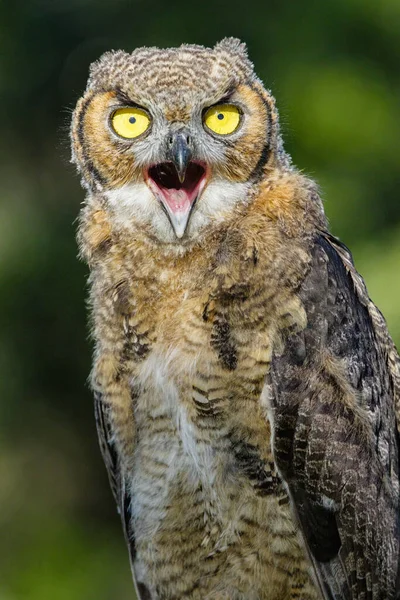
173,140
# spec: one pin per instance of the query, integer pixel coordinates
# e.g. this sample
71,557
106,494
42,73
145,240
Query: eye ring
129,122
222,119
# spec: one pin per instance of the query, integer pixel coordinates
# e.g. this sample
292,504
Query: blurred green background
334,68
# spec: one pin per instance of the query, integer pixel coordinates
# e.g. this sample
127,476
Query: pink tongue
177,200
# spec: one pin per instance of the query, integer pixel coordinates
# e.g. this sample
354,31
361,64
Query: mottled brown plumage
245,385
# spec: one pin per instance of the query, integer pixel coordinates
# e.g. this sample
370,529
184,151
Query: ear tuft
233,45
106,66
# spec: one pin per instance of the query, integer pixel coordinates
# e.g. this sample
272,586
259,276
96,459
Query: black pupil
132,120
220,116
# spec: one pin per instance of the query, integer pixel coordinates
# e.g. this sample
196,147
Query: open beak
177,183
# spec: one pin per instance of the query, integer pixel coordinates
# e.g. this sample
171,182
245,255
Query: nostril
178,138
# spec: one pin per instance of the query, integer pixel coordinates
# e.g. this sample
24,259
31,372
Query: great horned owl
245,385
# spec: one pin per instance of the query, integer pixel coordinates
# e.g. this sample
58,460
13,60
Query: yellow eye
222,119
130,122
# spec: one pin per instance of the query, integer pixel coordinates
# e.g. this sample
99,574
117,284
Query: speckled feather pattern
244,383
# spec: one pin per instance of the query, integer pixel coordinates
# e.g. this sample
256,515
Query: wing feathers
117,482
335,436
377,319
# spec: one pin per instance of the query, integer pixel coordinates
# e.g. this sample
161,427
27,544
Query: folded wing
334,393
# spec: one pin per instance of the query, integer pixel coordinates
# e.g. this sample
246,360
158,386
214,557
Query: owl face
173,139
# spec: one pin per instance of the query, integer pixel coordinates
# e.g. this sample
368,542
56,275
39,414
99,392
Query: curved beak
180,153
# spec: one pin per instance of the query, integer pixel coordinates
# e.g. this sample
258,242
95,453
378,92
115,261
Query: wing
117,483
333,396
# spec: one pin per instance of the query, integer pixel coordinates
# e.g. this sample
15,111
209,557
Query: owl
246,387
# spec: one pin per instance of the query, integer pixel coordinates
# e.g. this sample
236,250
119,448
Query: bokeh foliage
334,68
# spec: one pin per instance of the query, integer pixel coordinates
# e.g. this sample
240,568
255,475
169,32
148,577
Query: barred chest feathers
200,345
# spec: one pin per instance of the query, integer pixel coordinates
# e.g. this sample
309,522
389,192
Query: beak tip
179,230
179,220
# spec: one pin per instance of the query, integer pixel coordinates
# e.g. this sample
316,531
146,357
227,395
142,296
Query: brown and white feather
245,384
